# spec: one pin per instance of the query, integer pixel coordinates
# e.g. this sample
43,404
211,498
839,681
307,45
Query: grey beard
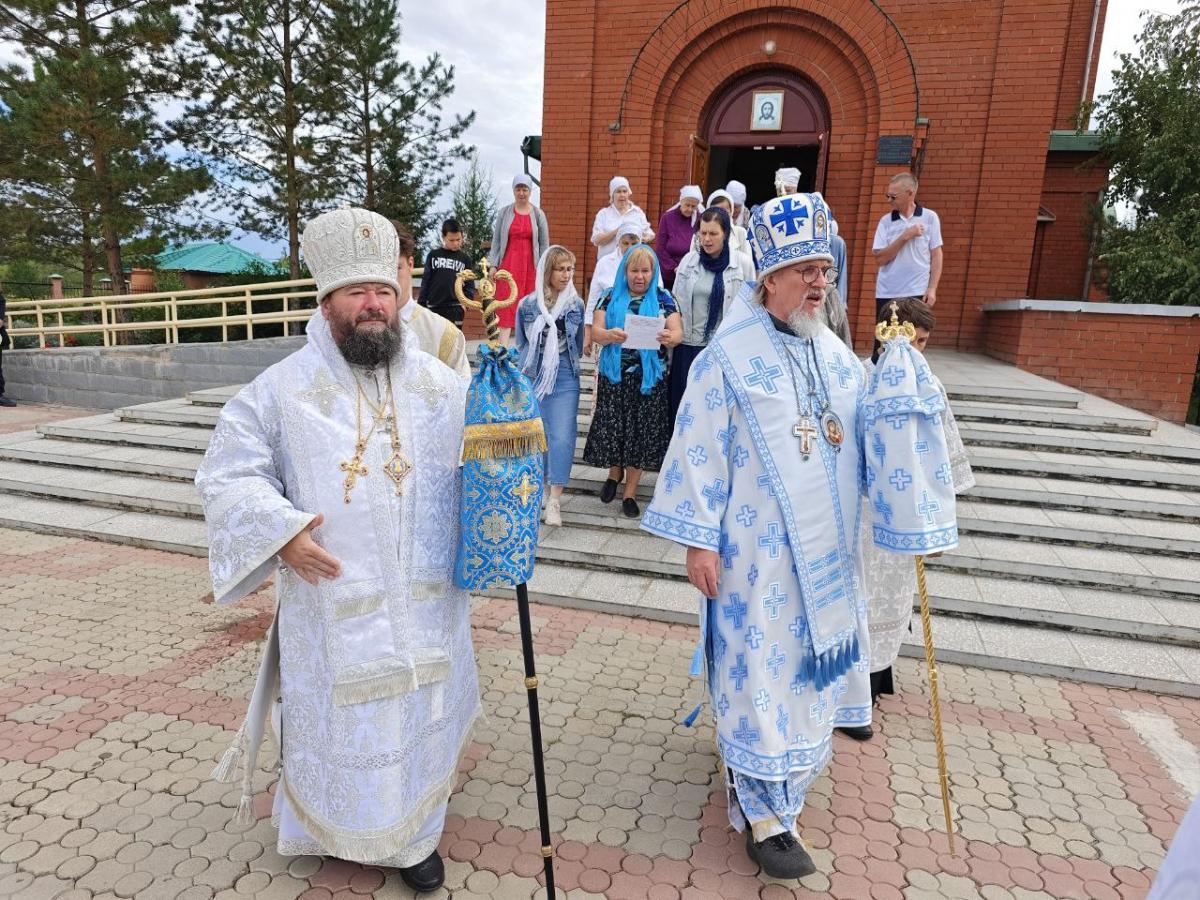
805,325
372,348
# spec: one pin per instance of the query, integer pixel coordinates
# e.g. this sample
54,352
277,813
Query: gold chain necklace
397,467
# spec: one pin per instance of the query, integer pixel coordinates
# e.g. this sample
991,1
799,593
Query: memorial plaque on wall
894,150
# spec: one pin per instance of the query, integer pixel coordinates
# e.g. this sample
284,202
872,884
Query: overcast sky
498,56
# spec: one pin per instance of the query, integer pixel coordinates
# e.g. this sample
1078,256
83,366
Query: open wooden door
698,163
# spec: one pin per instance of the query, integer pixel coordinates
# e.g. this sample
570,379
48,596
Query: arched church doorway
761,122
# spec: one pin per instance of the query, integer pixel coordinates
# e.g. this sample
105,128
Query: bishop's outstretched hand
308,559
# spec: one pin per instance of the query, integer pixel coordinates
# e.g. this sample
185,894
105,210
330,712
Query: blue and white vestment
785,644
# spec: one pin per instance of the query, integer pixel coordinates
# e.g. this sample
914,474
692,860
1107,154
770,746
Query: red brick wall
1146,362
1069,190
994,78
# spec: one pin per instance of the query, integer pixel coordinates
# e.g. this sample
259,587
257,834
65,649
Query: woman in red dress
520,237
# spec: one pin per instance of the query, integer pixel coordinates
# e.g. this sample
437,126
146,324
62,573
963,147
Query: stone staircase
1080,553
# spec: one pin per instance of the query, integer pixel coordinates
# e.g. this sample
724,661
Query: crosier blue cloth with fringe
503,459
909,479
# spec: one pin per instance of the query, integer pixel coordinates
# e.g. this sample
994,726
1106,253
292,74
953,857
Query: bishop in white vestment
337,470
762,483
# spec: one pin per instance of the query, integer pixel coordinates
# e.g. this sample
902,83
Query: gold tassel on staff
935,704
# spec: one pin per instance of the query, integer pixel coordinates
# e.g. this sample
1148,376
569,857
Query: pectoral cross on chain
804,431
353,469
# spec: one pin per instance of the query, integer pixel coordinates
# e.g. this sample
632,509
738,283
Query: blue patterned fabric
908,468
502,492
788,230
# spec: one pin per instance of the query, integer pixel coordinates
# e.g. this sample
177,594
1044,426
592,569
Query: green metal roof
1074,141
213,257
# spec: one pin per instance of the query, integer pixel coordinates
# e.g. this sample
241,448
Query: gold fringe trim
352,608
497,440
344,843
429,590
391,685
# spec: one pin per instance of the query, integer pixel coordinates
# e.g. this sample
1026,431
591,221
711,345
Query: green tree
265,109
395,145
475,208
84,174
1147,128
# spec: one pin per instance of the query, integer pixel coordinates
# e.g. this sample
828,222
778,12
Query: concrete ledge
110,377
1108,309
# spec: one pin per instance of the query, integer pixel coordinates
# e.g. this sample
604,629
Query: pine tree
390,126
264,112
83,172
475,208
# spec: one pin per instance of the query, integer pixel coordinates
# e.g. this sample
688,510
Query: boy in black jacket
441,268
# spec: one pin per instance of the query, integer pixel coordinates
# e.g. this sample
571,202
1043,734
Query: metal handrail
45,318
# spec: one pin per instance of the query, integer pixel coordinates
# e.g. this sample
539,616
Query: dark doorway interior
755,167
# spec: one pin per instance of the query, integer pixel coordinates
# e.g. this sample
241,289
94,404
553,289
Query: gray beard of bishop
369,347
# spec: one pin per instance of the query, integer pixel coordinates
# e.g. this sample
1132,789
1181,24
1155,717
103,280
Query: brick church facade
975,96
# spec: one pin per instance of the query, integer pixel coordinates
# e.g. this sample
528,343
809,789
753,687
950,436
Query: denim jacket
527,313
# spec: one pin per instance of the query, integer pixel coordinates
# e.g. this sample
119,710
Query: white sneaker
553,511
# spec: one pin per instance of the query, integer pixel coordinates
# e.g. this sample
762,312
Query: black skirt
629,428
682,358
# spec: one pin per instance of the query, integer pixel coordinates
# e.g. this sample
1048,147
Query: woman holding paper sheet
630,425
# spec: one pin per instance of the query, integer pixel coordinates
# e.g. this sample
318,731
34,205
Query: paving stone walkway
121,683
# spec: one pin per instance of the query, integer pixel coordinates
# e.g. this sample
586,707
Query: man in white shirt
908,247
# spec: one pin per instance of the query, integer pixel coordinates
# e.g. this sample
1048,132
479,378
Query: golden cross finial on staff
485,296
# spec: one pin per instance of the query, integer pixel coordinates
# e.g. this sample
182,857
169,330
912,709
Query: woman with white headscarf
676,229
519,238
741,215
620,209
549,338
739,241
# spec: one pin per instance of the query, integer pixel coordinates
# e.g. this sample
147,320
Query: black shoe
858,733
427,875
5,401
629,508
780,856
609,491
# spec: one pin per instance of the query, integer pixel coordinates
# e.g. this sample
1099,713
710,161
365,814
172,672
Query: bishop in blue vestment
763,483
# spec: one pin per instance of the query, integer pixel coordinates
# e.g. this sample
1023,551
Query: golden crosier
485,296
894,329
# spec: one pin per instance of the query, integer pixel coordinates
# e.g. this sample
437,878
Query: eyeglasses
810,273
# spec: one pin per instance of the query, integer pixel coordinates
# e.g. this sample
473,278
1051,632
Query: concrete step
1065,399
131,493
213,397
1116,444
109,429
170,412
73,519
31,447
1038,416
1106,470
998,559
1044,493
1112,659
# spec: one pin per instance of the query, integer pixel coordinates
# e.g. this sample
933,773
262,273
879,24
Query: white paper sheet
641,332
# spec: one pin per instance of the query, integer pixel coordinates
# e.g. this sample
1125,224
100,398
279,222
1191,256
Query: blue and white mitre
909,478
503,447
790,229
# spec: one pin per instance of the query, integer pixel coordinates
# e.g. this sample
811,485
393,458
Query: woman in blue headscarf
631,425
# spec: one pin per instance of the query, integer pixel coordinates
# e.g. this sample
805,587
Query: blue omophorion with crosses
909,482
